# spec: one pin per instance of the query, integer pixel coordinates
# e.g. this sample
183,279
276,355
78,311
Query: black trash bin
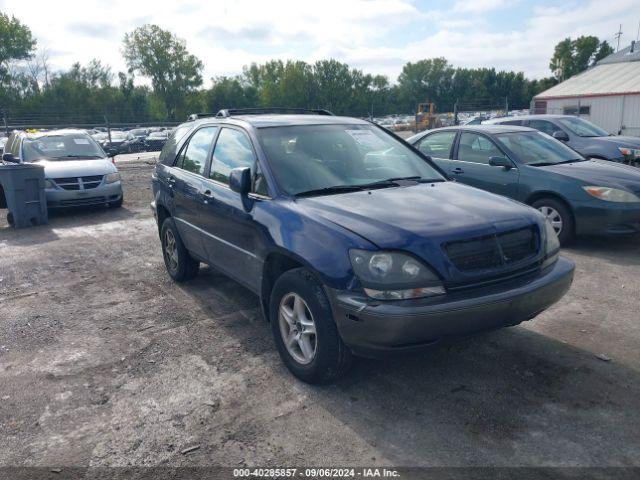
22,193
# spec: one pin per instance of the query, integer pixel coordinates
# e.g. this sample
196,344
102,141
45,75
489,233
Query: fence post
455,113
4,120
106,121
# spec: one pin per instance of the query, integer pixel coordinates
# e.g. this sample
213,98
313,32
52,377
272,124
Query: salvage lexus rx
354,241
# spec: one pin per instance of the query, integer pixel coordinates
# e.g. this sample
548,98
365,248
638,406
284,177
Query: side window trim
256,162
185,145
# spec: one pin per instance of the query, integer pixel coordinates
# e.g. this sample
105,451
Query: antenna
617,36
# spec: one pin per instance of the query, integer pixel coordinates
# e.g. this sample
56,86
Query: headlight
394,276
551,244
112,177
48,184
630,152
611,194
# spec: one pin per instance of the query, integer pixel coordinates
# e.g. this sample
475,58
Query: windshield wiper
329,190
546,164
78,156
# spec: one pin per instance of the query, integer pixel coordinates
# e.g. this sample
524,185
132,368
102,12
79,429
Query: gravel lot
105,362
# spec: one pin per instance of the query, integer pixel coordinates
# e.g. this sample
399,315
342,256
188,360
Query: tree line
30,90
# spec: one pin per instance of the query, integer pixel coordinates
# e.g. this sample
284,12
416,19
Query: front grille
494,251
77,202
79,183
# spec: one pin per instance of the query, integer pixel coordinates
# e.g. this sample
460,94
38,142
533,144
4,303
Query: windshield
582,128
314,157
60,147
537,148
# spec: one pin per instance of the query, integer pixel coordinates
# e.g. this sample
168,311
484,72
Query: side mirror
501,162
111,152
8,157
240,180
561,135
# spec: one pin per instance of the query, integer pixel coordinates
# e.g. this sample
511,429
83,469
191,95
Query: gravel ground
105,362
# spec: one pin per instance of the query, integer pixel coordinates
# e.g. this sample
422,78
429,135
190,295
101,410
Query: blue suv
354,241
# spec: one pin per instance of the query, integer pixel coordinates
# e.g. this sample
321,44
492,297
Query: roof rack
196,116
227,112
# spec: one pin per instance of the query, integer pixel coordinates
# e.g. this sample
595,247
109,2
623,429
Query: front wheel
558,215
180,265
304,331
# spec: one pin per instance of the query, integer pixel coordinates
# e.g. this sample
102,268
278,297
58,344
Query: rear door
232,238
185,184
471,165
439,146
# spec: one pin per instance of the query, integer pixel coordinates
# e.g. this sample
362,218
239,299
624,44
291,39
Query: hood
420,218
600,173
76,168
621,141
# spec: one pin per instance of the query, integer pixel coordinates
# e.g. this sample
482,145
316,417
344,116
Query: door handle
171,181
208,193
457,170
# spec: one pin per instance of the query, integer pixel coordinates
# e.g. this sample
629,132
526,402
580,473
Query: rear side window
194,155
437,144
233,149
543,126
477,148
511,122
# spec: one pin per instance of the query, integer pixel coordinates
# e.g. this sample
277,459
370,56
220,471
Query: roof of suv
279,120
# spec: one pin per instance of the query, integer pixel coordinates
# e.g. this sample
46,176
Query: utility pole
3,112
617,36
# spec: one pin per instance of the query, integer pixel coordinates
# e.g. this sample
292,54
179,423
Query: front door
232,237
471,165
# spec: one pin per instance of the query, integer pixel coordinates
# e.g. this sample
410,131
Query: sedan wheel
298,328
553,216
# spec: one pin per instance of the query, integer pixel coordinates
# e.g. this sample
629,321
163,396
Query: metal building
607,94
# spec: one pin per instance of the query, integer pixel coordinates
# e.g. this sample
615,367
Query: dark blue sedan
578,196
353,241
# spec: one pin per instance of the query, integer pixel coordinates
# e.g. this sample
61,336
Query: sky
377,36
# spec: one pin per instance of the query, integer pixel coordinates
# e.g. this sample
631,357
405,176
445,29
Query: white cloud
228,34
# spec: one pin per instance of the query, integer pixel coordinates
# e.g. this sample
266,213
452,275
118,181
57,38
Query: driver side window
437,144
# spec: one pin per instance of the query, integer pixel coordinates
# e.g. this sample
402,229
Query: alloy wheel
298,328
171,250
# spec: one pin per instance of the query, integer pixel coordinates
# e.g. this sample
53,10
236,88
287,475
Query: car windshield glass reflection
582,128
61,147
323,159
537,149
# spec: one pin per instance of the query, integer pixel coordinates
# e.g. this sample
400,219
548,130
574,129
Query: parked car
583,136
77,170
133,143
115,142
577,196
355,242
3,141
156,140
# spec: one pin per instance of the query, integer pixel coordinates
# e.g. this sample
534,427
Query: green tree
16,42
571,57
163,57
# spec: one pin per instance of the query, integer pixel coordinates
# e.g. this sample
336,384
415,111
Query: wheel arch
276,263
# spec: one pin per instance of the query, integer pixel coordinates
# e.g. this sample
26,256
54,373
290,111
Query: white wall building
607,94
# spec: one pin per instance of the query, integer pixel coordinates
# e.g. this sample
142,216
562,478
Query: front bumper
371,328
606,218
101,195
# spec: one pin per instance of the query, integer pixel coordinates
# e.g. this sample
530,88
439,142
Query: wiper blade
329,190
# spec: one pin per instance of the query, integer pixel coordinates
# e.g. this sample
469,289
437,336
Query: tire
181,266
117,203
10,219
555,209
331,358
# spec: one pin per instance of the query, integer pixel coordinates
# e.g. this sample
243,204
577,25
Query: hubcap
297,327
553,216
171,250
